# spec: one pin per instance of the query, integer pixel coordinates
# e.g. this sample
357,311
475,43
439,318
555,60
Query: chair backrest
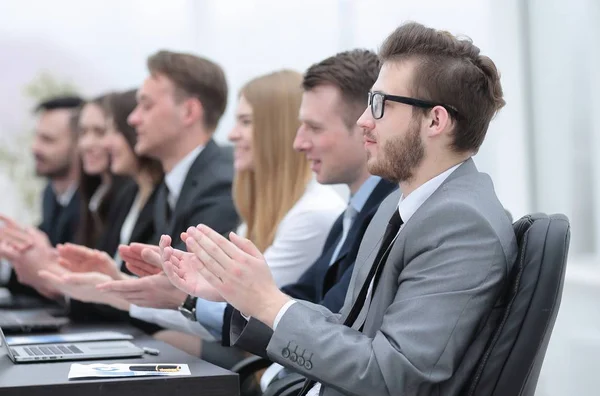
511,363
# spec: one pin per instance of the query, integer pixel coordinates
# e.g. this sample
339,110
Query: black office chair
246,370
511,363
512,360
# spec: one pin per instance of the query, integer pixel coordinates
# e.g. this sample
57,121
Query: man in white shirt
179,106
55,152
426,290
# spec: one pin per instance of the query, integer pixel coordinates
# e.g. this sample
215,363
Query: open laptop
28,320
70,351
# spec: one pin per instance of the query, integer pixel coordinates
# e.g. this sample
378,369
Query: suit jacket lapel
383,189
396,251
193,181
145,220
368,249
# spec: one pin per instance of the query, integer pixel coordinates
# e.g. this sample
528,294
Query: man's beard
59,172
399,157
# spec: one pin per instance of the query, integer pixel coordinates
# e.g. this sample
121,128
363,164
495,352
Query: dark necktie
54,223
168,211
374,273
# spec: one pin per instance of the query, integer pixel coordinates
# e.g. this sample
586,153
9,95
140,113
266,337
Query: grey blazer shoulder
437,301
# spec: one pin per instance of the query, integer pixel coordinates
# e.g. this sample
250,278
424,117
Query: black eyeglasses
377,103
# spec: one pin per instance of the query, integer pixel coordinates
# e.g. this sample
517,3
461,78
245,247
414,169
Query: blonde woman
284,213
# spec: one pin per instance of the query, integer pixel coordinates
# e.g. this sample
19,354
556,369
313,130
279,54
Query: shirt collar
64,198
409,205
358,200
176,177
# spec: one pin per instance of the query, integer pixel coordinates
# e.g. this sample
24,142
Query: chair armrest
294,389
250,366
290,385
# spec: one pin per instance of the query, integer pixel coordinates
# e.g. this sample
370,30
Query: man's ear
193,111
438,120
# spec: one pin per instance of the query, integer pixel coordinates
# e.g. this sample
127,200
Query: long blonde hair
280,175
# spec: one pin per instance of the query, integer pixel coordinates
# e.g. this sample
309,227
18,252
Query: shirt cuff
210,315
281,312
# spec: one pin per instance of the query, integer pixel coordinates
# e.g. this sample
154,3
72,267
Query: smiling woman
137,199
97,185
130,216
270,177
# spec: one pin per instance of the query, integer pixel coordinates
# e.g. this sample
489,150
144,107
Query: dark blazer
204,198
143,232
59,223
322,283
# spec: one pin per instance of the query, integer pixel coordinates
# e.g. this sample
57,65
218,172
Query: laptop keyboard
52,350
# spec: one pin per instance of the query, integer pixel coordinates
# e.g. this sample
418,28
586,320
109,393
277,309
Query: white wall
565,60
103,45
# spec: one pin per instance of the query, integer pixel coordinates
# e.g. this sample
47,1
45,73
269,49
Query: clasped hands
219,269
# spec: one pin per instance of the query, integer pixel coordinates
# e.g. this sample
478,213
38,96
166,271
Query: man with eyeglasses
426,291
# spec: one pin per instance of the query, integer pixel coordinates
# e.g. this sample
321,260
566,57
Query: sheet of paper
99,370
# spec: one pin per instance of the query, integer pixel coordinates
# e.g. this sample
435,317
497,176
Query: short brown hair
197,77
450,71
353,72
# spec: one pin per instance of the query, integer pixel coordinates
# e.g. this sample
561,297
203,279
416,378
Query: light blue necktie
349,216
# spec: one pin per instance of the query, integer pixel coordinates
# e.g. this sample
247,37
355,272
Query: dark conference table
45,379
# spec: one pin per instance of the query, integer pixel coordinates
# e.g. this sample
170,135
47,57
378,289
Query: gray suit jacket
438,299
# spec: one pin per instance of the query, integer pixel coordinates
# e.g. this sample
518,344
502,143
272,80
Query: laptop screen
4,344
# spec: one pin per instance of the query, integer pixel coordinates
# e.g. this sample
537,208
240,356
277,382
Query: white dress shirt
97,197
127,227
176,177
65,198
298,242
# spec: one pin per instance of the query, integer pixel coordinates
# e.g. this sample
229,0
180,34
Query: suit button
308,365
293,357
300,361
285,352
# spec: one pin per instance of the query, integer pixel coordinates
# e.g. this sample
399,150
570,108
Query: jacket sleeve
445,290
